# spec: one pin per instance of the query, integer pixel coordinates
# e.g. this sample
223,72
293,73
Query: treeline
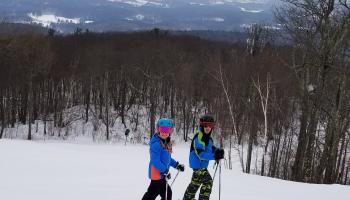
284,108
217,35
8,28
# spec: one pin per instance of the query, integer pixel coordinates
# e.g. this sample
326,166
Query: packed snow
81,169
137,17
166,4
230,2
137,3
250,11
140,3
196,4
48,19
215,19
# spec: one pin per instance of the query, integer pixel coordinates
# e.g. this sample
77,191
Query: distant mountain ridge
10,29
126,15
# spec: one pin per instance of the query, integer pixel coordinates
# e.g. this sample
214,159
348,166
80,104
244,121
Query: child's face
207,129
164,135
164,131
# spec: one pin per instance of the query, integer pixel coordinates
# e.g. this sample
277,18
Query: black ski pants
157,187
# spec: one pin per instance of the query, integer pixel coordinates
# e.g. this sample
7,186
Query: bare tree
224,84
264,98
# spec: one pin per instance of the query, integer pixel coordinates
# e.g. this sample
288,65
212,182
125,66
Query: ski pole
220,181
166,188
217,164
175,178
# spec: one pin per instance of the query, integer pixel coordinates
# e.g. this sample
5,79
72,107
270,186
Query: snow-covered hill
42,170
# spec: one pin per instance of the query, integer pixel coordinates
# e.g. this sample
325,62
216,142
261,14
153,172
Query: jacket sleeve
213,149
199,148
173,163
155,157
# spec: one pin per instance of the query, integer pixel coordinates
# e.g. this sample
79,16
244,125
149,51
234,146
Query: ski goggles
208,124
165,129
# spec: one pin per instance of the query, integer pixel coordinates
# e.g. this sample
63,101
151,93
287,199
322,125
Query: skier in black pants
160,162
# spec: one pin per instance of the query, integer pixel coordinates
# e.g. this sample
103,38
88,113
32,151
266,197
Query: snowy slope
51,170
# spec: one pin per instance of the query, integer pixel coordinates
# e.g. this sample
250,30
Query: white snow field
53,170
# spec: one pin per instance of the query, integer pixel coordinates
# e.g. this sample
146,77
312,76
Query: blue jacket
160,160
202,151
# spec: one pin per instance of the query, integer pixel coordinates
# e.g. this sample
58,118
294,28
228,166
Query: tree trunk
249,153
152,110
107,121
172,106
123,102
184,115
297,169
347,173
2,115
262,173
344,169
13,108
311,131
30,110
253,129
87,102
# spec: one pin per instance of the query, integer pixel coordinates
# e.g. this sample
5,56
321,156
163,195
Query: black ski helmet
206,119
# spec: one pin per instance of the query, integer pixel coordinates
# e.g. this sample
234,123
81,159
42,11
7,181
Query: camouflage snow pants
199,177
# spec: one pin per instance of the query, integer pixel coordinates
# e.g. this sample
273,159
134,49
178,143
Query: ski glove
219,154
180,167
167,175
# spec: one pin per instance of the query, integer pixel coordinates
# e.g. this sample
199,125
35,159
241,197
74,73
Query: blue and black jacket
202,150
160,160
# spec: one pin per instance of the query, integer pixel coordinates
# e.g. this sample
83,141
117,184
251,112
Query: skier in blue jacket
160,162
202,151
